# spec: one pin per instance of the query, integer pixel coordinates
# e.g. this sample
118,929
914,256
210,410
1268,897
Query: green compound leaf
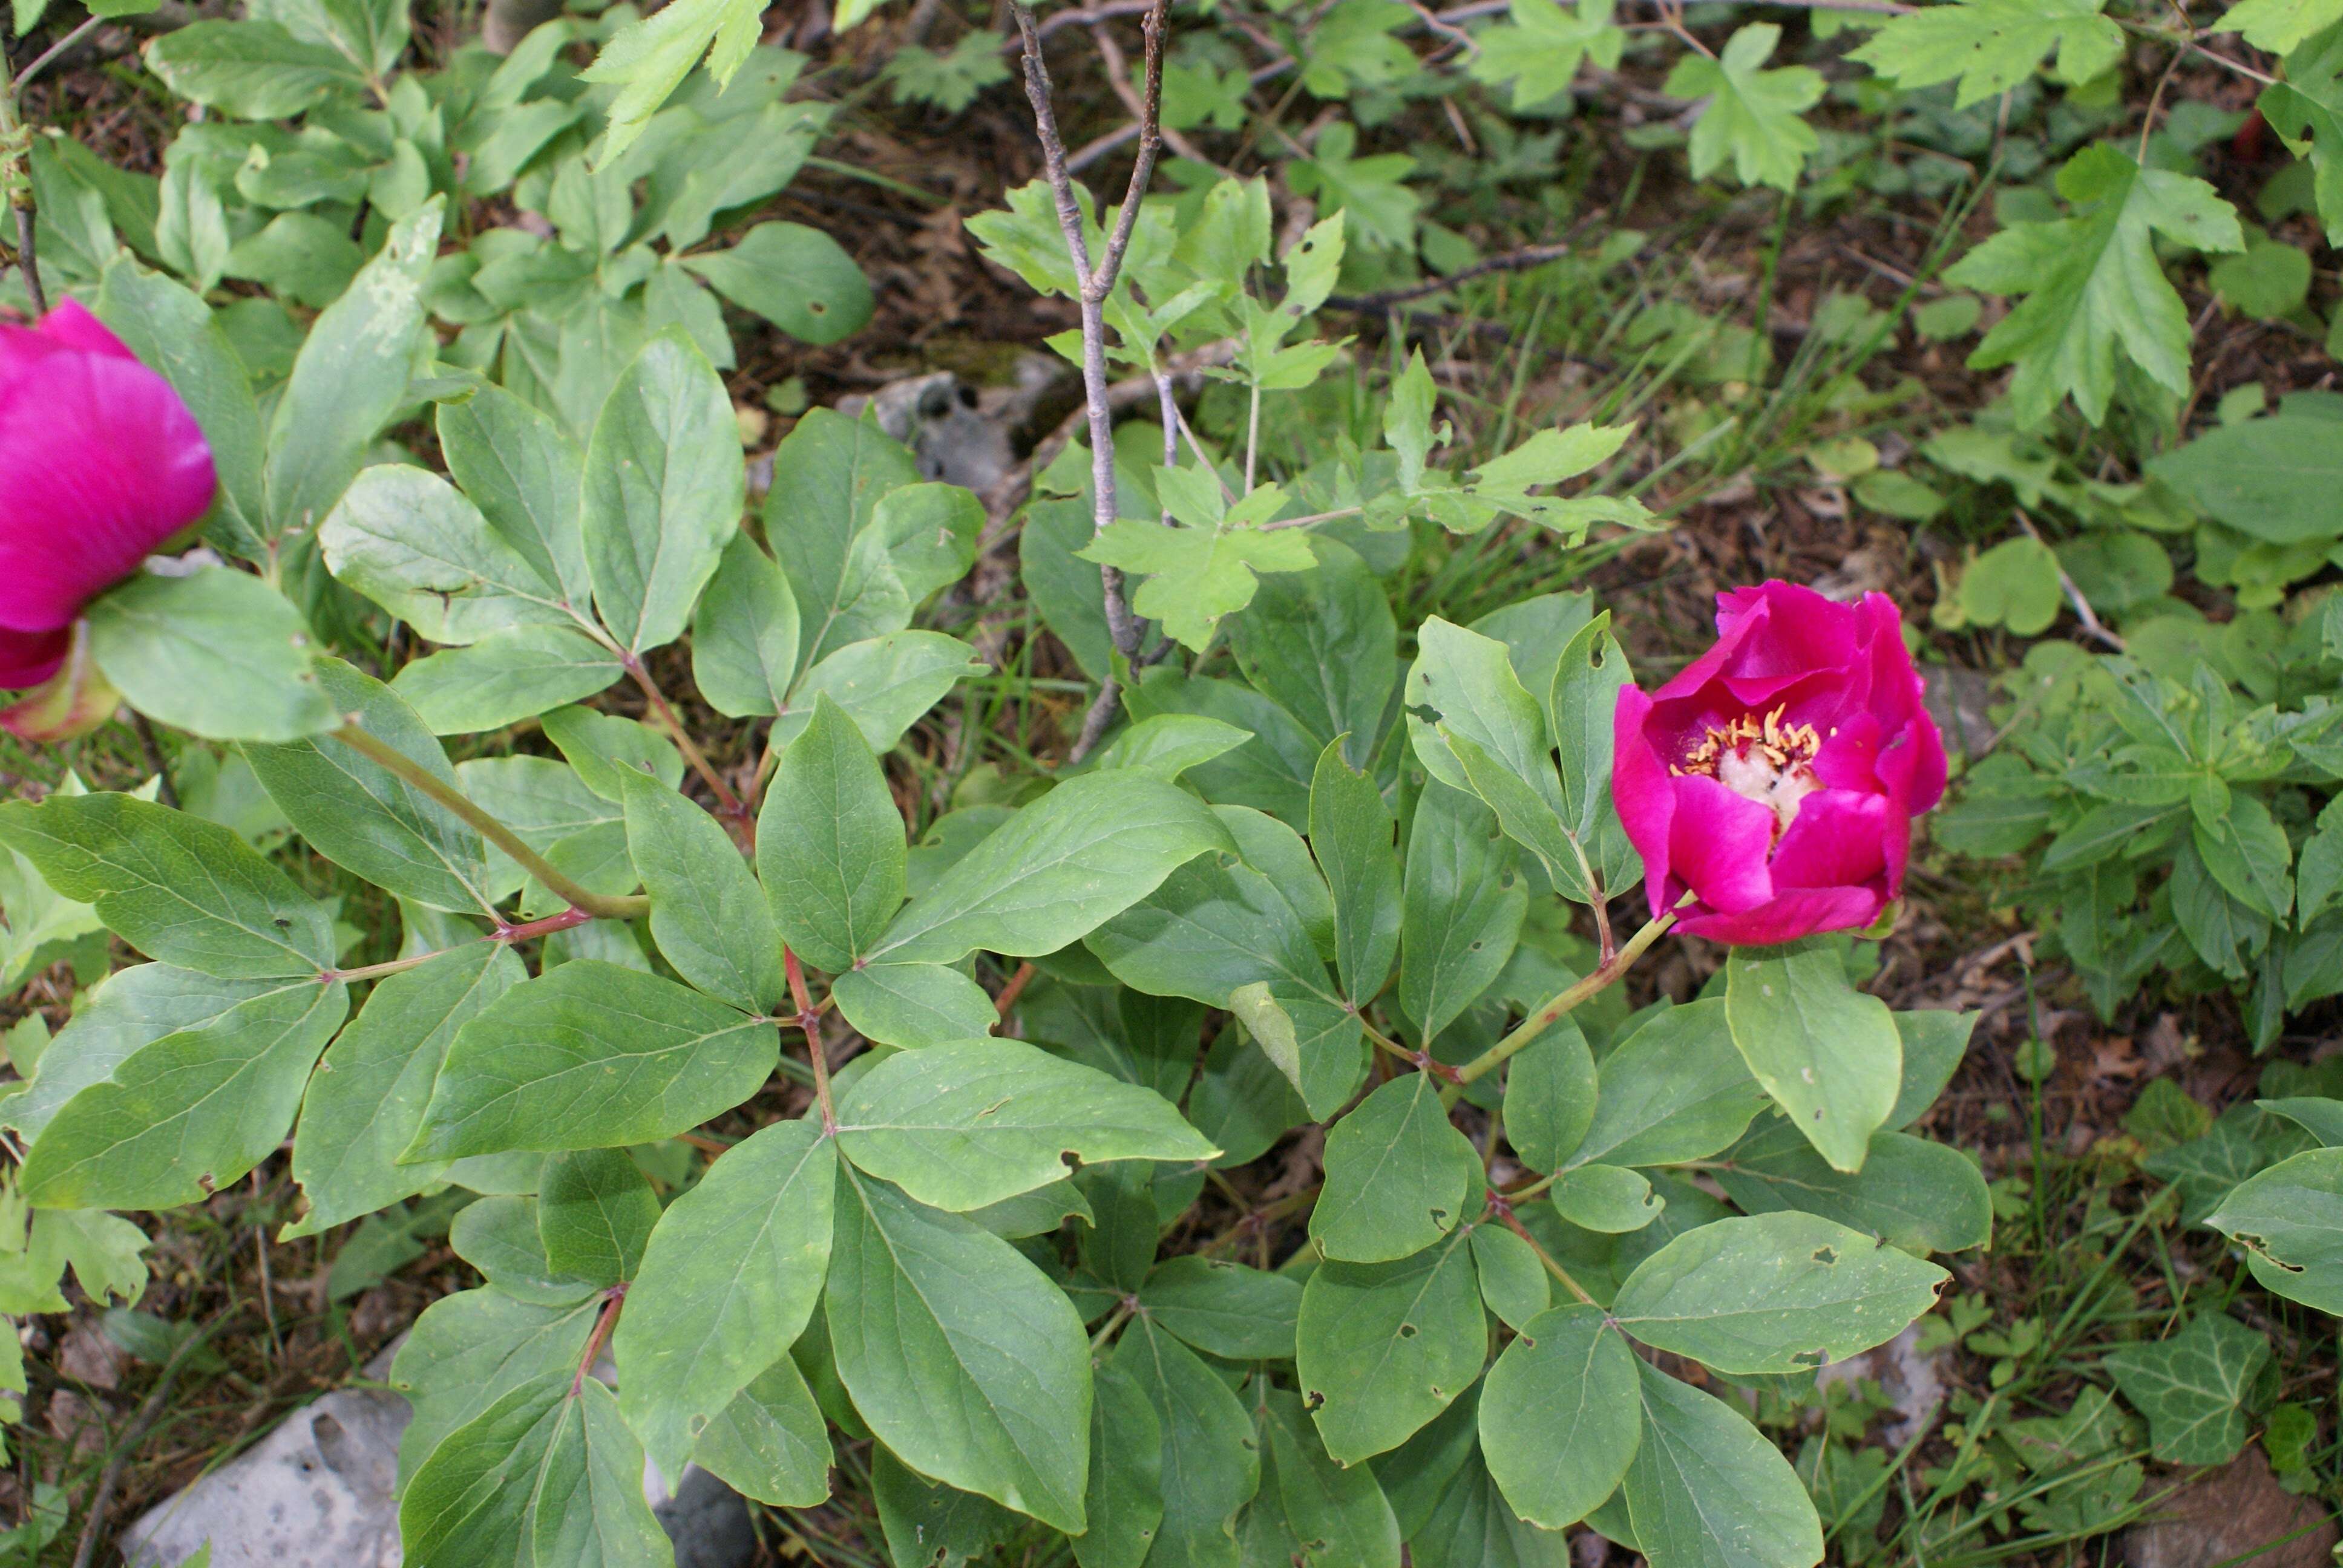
1992,46
1397,1175
959,1353
829,844
1774,1294
217,653
1560,1419
709,916
2192,1387
1706,1490
664,489
2092,285
365,1102
180,889
1752,113
1383,1348
1081,855
974,1122
1828,1054
729,1278
592,1055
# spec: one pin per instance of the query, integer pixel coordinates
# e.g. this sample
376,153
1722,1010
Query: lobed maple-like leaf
2092,284
1752,113
1992,46
2307,110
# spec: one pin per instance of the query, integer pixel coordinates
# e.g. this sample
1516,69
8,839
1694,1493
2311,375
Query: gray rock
943,421
321,1492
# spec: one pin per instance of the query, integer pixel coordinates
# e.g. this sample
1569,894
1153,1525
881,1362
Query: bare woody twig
1094,282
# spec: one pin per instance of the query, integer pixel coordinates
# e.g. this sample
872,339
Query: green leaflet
1225,1308
1339,1514
959,1353
1462,908
709,916
829,844
729,1278
1828,1054
174,1120
1383,1348
1560,1421
1706,1490
771,1442
1992,46
2290,1219
1210,1466
595,1211
969,1124
1774,1293
1675,1090
1752,113
590,1055
1080,856
664,490
1350,833
744,635
217,653
1397,1175
1124,1505
1910,1191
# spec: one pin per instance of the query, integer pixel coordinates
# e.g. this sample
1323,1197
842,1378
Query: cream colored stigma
1763,760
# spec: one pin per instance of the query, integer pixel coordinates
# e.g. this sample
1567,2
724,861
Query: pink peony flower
99,463
1776,780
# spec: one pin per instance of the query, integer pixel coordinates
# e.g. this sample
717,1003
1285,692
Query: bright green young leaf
1397,1175
1774,1293
217,653
1383,1348
1560,1419
365,1105
731,1277
180,889
829,844
2280,26
649,59
961,1356
1540,46
1752,113
1707,1490
968,1124
590,1055
1081,855
2092,284
664,489
1828,1054
707,915
2192,1387
1992,46
1195,575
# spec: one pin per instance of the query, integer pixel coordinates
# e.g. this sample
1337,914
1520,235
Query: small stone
2229,1515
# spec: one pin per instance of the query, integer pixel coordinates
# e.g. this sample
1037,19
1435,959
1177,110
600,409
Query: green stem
1544,1018
421,779
1505,1214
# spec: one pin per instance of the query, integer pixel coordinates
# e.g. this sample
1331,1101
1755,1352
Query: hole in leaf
1812,1358
1826,1256
1407,1331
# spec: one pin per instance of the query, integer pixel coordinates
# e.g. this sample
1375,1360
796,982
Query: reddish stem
808,1020
612,1299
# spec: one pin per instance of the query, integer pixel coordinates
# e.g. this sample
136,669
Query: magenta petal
1838,839
1799,913
71,326
27,658
99,463
1717,845
1640,790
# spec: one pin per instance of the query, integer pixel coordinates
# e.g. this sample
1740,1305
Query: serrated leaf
1774,1293
1993,45
2280,26
1560,1421
959,1353
1752,113
2306,107
590,1055
970,1123
729,1278
2092,284
1196,574
1542,46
